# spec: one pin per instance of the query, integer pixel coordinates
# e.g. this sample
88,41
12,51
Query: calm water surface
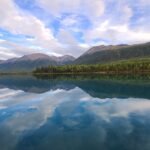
74,113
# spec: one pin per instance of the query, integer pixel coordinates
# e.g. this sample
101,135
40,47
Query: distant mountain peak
32,61
1,61
65,59
34,56
41,56
104,47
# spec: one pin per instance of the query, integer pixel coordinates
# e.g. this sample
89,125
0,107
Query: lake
74,112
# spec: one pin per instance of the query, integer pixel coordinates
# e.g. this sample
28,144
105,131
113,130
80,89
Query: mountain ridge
104,47
95,55
28,63
104,54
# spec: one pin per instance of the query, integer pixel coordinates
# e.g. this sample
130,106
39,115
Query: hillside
30,62
104,54
131,66
1,61
96,55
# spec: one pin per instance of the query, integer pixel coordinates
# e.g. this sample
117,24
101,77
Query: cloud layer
70,27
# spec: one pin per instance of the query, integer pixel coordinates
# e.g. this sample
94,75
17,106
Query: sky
60,27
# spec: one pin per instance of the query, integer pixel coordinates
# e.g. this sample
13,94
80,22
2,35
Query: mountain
104,54
1,61
28,63
103,47
34,57
66,59
98,54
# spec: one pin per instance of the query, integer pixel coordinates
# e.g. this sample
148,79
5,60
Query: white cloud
73,47
116,34
6,53
95,21
69,21
17,22
10,49
145,2
127,11
94,8
90,8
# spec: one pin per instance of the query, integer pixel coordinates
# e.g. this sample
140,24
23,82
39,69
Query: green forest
138,65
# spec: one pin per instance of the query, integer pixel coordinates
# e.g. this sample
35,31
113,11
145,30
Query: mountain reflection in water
74,113
103,87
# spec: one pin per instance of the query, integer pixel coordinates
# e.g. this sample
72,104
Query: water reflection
72,114
96,86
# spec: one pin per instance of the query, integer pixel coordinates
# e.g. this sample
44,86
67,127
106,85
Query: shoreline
101,73
82,73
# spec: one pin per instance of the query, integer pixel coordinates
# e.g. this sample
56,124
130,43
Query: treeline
129,66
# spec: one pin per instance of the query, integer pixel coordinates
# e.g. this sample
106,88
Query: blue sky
62,27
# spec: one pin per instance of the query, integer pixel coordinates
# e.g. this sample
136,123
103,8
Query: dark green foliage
141,65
